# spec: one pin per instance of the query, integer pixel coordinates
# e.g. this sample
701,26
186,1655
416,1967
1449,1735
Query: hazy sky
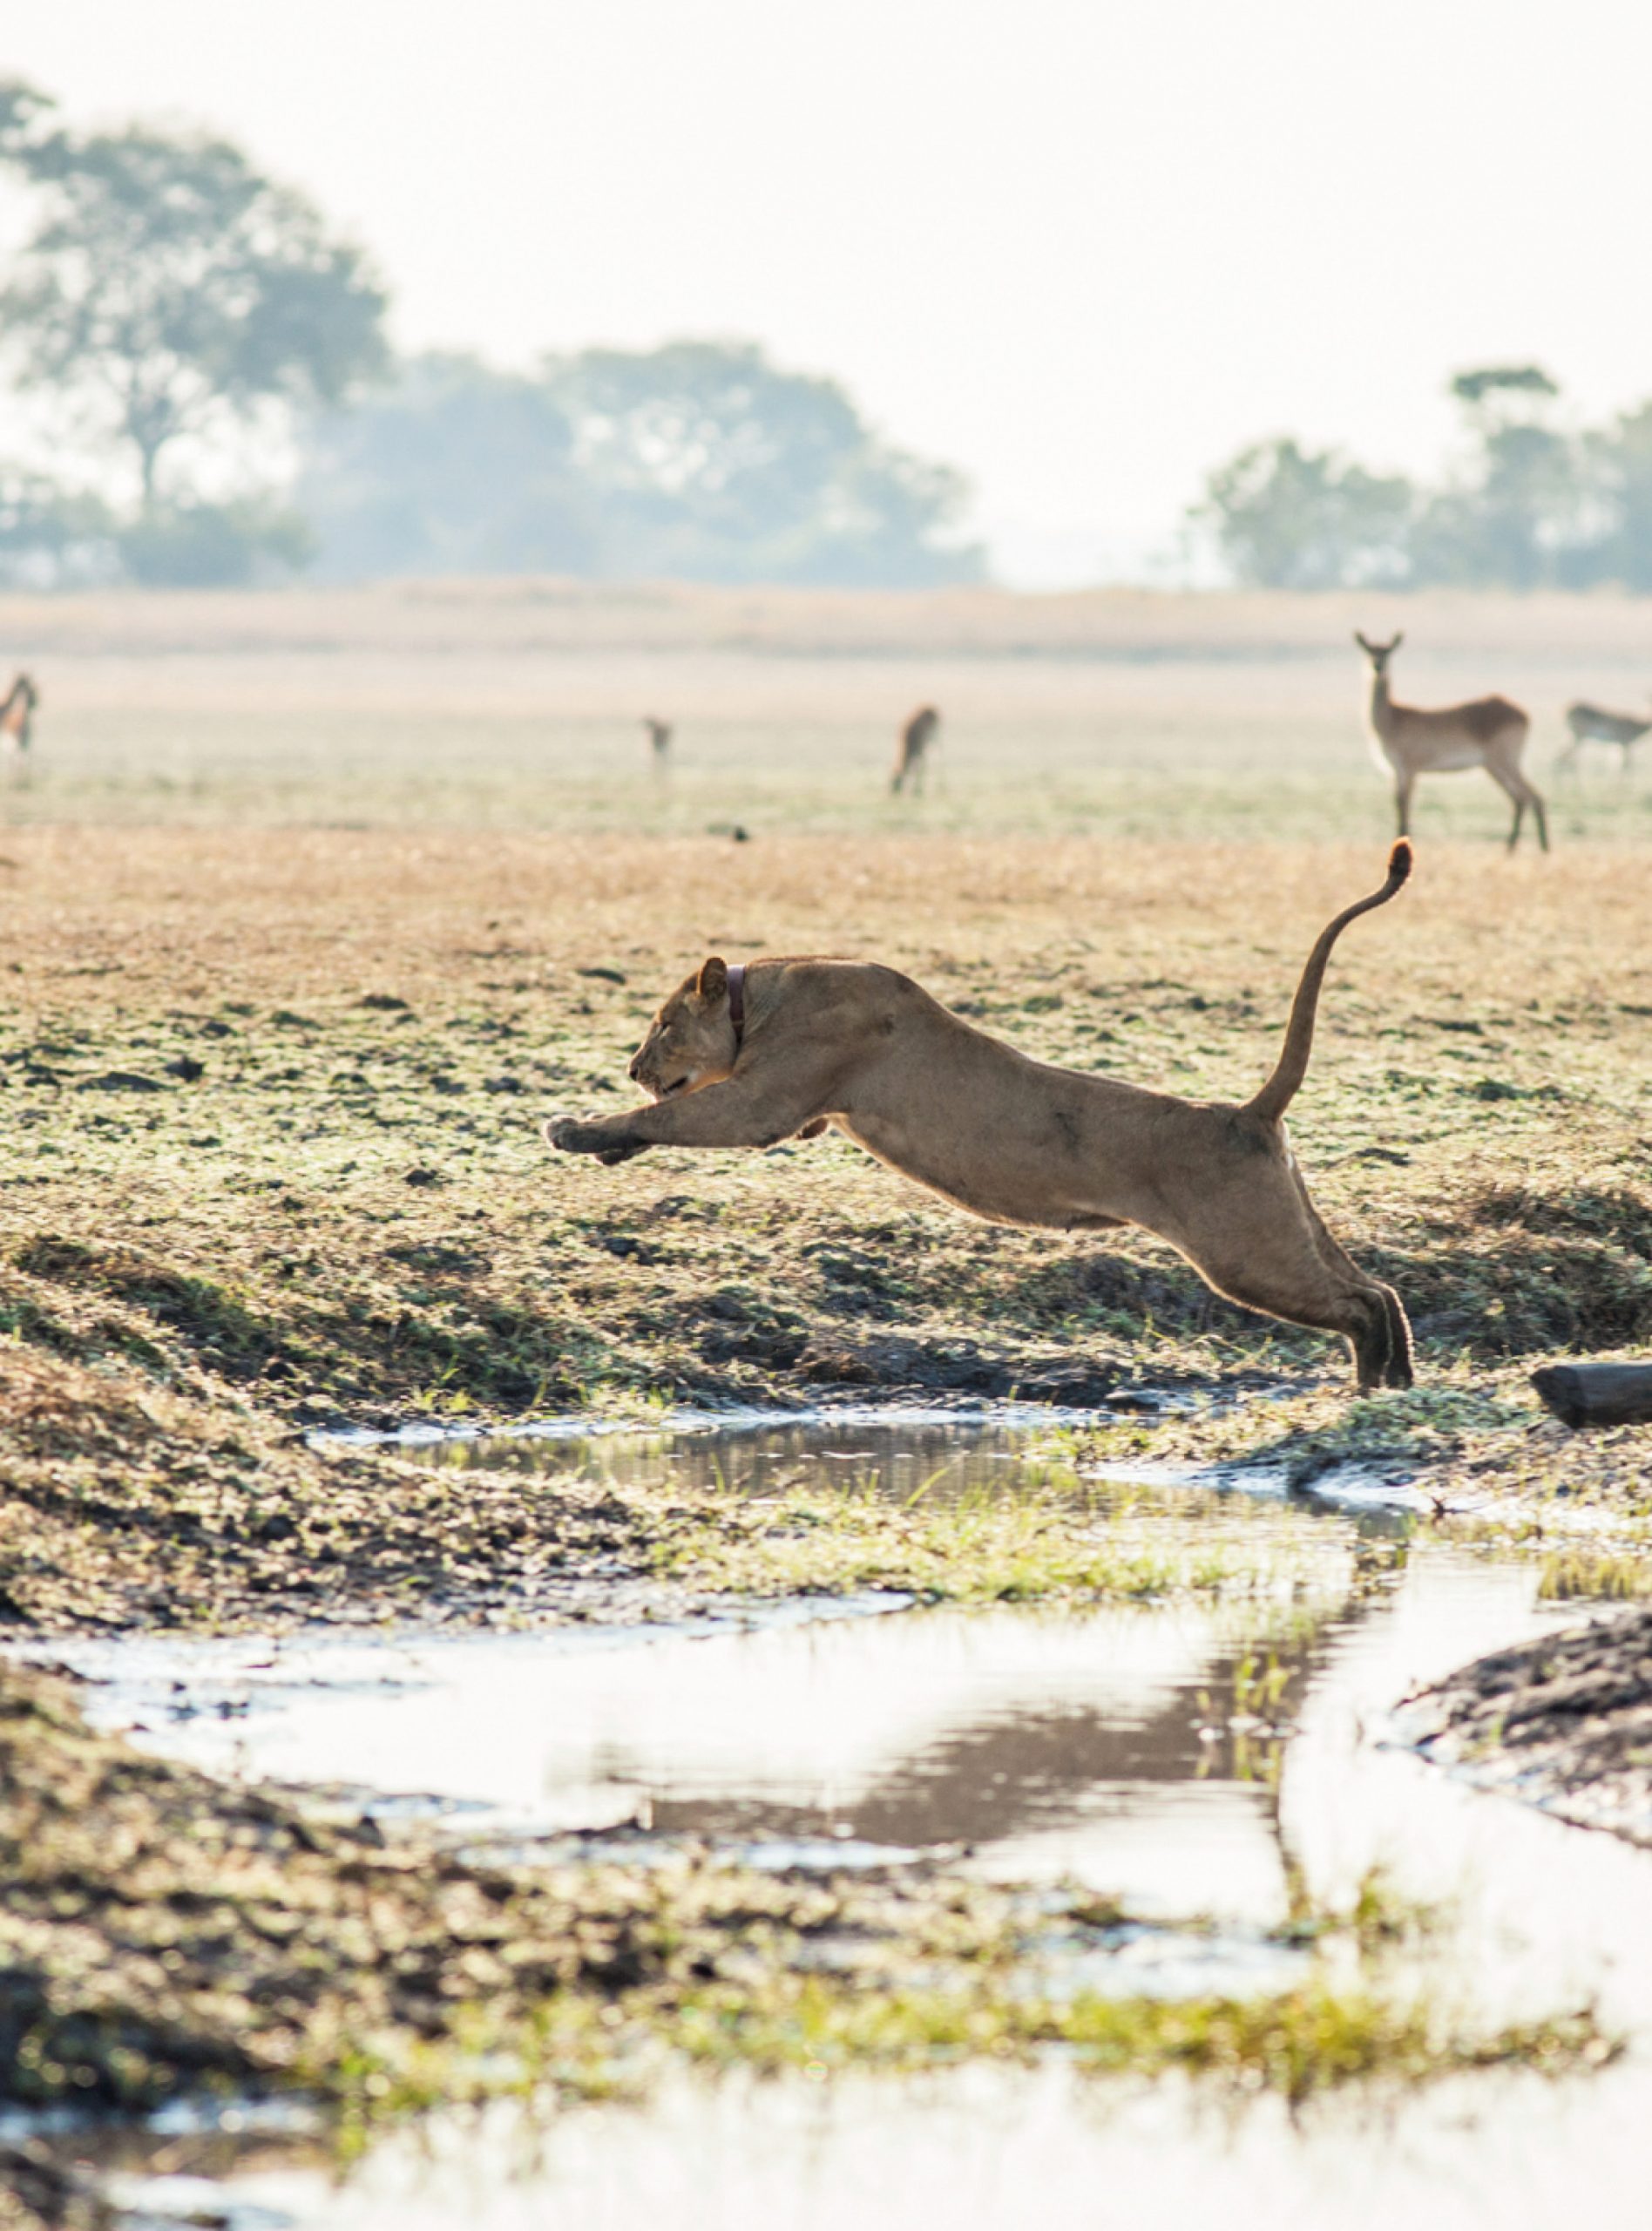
1082,248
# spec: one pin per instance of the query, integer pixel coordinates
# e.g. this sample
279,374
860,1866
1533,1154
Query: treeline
1535,503
700,461
207,364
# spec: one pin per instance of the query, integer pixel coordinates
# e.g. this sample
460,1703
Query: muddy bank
271,1162
561,1864
1565,1723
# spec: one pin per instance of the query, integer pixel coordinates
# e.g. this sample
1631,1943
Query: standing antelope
16,719
1592,723
915,740
658,742
1487,732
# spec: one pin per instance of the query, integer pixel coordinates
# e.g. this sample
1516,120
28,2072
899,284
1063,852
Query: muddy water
1124,1746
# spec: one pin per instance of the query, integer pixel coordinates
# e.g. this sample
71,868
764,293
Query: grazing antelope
16,718
658,742
915,738
1593,724
1487,732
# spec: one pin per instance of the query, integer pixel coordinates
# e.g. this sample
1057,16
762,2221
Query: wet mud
1565,1723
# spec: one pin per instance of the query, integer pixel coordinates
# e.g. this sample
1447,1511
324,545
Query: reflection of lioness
745,1057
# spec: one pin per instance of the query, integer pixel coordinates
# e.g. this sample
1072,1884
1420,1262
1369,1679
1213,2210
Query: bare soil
1566,1724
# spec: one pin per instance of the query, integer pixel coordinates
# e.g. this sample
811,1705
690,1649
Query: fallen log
1596,1393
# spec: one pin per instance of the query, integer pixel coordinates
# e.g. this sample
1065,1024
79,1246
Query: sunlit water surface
1100,1744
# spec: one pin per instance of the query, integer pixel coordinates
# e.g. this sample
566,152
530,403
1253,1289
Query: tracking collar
737,1000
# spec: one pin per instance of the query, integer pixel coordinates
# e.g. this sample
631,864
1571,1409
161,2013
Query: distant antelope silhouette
16,717
915,737
1593,724
1487,732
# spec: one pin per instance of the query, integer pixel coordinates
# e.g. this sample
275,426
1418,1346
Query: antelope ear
1397,640
1360,639
713,980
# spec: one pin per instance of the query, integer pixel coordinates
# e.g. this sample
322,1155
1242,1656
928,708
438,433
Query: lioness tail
1281,1088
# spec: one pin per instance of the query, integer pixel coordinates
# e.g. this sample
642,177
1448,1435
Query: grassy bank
272,1160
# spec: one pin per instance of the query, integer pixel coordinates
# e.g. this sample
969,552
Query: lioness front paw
569,1135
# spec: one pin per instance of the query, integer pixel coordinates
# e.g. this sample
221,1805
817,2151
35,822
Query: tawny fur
1015,1141
916,735
1412,740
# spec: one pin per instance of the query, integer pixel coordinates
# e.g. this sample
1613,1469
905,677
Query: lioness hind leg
1367,1313
1382,1349
1381,1344
1400,1371
1291,1268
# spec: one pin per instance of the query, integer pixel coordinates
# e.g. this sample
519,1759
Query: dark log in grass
1597,1393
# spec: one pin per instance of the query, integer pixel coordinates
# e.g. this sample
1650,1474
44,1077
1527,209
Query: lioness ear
713,980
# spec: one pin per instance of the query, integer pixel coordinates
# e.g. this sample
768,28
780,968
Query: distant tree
1522,519
712,463
1492,383
22,110
1532,504
1620,485
1284,517
49,537
699,461
185,545
452,469
169,290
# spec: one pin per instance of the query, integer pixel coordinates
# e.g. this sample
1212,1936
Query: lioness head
691,1041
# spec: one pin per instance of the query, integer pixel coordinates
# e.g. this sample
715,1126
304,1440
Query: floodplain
313,907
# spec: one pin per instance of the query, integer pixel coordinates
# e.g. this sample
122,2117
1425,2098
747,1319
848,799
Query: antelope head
1378,654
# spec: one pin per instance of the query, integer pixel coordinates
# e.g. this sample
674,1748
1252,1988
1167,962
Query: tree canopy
1288,517
701,460
451,468
191,328
168,291
1534,505
1476,387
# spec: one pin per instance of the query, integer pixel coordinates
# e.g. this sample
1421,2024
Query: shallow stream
1131,1748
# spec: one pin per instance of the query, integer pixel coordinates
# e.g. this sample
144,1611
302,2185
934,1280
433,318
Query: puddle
750,1449
901,1450
1143,1750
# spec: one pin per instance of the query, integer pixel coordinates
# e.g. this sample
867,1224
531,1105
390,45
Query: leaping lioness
747,1056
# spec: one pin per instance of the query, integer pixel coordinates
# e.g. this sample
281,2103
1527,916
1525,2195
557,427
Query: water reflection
1185,1758
903,1453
